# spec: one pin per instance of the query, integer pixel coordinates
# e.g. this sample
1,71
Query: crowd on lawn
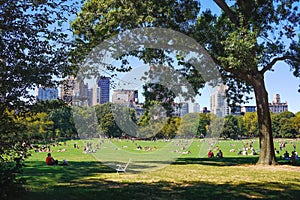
88,148
182,144
47,148
248,146
293,157
91,147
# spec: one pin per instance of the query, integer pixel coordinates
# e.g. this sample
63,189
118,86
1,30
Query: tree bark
267,152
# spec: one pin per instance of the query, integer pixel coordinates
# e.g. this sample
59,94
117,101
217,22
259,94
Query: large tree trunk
267,152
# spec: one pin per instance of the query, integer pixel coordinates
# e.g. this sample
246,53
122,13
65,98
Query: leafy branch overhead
258,35
245,41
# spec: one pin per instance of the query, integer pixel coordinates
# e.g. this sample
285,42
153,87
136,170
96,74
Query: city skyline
280,81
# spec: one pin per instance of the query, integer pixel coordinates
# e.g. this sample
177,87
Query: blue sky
281,81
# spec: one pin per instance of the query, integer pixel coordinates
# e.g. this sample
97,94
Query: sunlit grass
191,176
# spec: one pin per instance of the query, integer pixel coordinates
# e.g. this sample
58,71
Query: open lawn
176,175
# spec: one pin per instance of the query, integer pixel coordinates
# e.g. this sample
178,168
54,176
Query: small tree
231,128
251,125
296,121
189,125
203,125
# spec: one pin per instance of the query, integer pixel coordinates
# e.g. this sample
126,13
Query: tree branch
234,73
222,4
272,63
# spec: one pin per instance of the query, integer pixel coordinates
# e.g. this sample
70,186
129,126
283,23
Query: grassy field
159,171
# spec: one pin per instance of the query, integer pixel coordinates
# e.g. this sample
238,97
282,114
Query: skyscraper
101,91
44,93
67,89
80,93
218,103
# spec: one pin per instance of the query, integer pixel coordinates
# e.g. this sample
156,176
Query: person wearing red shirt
210,154
50,160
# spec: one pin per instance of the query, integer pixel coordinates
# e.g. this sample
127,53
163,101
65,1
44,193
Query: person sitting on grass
210,154
286,155
65,162
220,154
293,158
50,160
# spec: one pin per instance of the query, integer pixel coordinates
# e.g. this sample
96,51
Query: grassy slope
191,176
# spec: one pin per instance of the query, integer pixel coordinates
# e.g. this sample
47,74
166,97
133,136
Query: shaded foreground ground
188,178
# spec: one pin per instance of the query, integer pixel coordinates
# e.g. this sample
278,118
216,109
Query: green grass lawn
177,176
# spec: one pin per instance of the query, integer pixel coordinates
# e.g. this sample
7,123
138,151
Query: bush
9,183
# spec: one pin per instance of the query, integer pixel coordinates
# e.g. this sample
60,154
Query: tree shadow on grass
76,166
227,161
37,172
81,180
107,189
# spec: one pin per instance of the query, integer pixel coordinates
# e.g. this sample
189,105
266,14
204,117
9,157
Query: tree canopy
246,40
249,39
34,48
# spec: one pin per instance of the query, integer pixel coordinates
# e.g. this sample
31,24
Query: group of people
90,149
282,145
211,154
293,158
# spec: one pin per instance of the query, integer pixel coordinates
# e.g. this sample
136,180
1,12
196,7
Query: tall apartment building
96,95
90,96
80,93
218,103
194,107
184,109
101,91
181,109
45,93
125,97
67,89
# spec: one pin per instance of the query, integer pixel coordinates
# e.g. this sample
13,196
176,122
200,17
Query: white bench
123,167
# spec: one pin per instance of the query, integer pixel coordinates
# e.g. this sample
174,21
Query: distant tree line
48,120
62,121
